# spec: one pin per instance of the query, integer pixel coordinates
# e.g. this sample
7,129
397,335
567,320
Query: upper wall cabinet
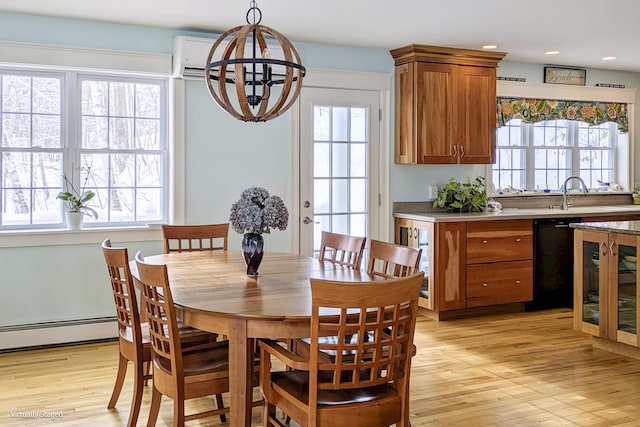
445,110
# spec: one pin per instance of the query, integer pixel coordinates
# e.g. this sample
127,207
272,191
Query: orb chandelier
244,58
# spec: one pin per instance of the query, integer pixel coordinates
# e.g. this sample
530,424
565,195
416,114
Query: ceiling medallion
261,64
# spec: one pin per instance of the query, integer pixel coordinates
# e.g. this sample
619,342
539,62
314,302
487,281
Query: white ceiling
583,31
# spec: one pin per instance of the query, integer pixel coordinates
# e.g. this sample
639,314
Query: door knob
307,220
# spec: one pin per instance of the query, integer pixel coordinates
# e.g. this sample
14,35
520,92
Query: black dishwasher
552,263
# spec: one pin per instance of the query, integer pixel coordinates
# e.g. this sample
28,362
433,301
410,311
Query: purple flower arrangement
258,212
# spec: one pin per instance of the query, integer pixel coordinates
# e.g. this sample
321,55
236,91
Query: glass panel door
627,297
424,236
591,282
338,165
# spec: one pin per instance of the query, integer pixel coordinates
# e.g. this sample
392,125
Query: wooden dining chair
190,238
343,249
133,335
368,389
180,372
385,260
390,260
133,330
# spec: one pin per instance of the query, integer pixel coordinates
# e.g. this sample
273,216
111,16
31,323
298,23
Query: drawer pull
485,242
485,285
517,282
518,239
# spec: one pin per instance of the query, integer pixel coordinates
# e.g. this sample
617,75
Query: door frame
335,79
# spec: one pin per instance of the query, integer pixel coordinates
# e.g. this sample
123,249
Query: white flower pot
74,220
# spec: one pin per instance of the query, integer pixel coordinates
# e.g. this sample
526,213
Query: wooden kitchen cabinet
445,109
499,262
474,264
450,258
443,286
512,282
606,286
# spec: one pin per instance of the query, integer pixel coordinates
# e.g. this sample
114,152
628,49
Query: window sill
557,193
25,238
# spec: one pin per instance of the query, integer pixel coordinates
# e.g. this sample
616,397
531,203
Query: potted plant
257,212
470,196
76,202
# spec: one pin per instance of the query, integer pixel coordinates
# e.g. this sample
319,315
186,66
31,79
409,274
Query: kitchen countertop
528,213
620,227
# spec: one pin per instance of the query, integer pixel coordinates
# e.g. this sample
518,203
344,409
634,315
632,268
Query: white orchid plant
76,201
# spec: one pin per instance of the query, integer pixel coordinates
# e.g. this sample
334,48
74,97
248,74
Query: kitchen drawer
499,283
495,241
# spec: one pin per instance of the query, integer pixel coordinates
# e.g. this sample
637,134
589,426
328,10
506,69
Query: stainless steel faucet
565,203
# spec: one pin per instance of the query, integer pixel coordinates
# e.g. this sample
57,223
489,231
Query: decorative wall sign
565,76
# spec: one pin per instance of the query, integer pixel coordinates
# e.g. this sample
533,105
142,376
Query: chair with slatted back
343,249
179,372
386,260
133,335
391,260
133,330
189,238
368,389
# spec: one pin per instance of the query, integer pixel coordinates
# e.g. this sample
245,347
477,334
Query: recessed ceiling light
490,46
609,58
552,52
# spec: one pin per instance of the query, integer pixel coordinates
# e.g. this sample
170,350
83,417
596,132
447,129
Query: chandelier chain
253,9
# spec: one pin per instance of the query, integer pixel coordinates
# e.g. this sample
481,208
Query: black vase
252,249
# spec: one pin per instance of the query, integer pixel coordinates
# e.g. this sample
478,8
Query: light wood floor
524,369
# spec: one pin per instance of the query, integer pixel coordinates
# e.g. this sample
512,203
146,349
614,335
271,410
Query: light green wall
54,283
223,156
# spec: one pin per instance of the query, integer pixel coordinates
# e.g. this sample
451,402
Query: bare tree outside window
31,149
120,137
542,155
126,151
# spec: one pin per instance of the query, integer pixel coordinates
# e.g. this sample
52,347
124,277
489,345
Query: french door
339,164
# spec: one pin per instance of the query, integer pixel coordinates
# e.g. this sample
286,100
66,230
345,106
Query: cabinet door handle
612,247
603,248
485,285
455,151
461,151
518,239
485,242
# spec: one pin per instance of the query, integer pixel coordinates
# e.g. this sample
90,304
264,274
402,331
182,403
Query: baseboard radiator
55,333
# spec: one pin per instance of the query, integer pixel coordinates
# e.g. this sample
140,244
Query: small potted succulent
76,202
469,196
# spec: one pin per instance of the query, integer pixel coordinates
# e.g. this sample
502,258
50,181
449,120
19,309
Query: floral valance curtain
537,110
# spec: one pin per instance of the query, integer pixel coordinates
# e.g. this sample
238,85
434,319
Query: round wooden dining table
212,292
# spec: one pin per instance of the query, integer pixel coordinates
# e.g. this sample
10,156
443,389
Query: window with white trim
540,156
105,133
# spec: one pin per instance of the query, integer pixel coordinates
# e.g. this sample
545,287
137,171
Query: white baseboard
51,333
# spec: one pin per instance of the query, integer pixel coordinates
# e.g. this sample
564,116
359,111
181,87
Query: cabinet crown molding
446,55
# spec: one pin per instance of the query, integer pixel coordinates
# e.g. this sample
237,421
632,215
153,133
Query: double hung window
103,133
540,156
